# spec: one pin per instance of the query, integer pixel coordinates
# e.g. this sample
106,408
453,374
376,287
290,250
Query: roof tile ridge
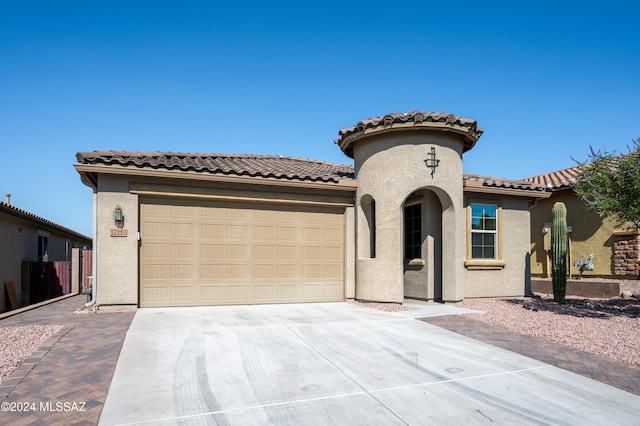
37,217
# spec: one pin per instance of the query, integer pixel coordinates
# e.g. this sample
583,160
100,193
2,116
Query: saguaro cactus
559,251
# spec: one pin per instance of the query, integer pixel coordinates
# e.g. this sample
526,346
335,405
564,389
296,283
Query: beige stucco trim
484,264
343,185
622,233
237,199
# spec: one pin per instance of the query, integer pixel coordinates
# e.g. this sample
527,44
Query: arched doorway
422,245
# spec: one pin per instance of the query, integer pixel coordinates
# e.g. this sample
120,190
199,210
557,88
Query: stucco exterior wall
389,168
116,275
590,235
350,253
513,279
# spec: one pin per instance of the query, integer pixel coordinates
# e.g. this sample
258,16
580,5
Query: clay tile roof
493,182
266,166
416,119
15,211
555,181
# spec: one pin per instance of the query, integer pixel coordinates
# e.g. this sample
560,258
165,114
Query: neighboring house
615,251
180,229
26,237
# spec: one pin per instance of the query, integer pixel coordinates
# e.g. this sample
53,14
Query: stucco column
398,157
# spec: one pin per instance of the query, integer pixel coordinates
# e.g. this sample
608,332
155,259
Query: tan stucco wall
389,168
117,274
590,234
350,253
512,279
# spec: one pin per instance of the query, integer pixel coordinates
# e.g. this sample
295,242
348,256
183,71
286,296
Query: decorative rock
627,294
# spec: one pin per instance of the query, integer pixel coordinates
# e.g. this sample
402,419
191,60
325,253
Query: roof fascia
469,140
507,191
343,185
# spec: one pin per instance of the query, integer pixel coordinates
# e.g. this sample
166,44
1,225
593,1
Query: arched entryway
422,245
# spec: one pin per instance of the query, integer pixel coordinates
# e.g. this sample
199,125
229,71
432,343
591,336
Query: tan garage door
201,253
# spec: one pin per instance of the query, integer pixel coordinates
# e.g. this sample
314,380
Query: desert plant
609,184
559,251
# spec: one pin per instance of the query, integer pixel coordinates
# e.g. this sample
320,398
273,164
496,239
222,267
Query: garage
199,252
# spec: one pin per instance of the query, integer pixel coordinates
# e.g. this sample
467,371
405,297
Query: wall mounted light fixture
117,214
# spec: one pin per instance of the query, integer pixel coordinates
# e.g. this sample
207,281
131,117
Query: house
27,238
615,251
182,229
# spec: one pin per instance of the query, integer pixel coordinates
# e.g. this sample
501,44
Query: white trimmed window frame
482,263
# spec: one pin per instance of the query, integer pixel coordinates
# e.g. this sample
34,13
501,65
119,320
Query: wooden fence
46,280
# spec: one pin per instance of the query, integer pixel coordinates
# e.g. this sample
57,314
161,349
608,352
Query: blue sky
544,79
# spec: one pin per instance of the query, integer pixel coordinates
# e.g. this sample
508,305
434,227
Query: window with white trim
484,231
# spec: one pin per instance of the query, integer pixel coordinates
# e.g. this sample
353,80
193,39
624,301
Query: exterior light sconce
117,215
118,218
432,162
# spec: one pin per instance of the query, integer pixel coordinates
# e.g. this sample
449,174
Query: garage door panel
265,216
333,292
157,251
182,251
182,211
332,235
266,271
288,293
237,293
182,230
212,251
155,229
264,252
285,271
161,210
212,272
182,294
264,293
286,233
197,253
237,271
312,234
312,292
155,295
213,231
212,212
212,294
181,272
286,253
264,233
156,272
237,232
237,251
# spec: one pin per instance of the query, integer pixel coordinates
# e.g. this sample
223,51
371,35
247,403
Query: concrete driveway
338,363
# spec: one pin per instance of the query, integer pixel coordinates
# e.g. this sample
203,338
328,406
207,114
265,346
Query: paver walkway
618,374
73,366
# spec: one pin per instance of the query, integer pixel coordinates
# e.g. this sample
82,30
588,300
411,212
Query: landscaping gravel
605,327
18,343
